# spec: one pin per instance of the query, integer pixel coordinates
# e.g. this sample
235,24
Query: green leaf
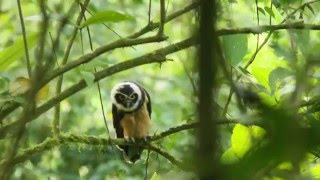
106,16
261,74
311,9
241,140
16,50
266,98
257,132
261,10
269,11
88,77
276,76
4,84
235,47
244,71
229,157
155,176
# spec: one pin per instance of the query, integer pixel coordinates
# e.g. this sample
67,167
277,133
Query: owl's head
127,96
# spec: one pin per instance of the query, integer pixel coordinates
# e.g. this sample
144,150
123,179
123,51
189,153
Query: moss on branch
65,139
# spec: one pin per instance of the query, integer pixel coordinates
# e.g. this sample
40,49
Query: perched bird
131,111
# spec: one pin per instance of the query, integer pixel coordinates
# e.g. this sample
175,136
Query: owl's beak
128,103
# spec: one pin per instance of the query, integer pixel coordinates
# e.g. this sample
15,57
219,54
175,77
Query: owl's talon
146,139
129,139
132,139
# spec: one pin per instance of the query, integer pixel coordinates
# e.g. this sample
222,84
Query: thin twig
147,164
151,26
162,17
43,35
53,49
99,88
189,75
56,119
24,39
149,12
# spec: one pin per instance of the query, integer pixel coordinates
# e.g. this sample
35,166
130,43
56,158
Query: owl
131,111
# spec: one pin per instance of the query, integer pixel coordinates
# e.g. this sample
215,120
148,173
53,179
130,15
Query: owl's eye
121,97
133,96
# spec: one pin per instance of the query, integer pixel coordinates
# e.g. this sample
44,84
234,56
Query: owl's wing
117,116
148,103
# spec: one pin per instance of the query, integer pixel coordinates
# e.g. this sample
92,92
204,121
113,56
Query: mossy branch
65,139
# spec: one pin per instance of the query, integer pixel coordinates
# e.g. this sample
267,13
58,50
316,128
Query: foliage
266,91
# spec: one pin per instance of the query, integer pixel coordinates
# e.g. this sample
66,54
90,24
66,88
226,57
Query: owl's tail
131,153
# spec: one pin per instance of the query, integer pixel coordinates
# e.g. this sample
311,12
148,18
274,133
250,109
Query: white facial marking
116,89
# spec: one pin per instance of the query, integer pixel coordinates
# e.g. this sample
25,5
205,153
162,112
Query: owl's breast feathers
137,123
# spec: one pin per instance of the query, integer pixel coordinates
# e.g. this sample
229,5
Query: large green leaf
235,47
257,132
106,16
241,140
16,50
276,76
261,74
229,156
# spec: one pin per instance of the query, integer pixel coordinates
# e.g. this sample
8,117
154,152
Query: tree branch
266,28
129,42
162,17
152,57
121,43
13,105
64,139
157,56
151,26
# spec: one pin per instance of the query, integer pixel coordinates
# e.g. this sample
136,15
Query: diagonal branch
152,57
157,56
10,107
121,43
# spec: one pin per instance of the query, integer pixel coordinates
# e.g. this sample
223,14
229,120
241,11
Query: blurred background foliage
272,76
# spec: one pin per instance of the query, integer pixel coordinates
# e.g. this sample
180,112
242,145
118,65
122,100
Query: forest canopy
234,88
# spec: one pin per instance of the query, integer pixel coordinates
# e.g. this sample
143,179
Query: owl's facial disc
126,96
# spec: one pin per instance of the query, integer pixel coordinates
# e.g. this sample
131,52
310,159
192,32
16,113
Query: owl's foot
129,139
146,139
